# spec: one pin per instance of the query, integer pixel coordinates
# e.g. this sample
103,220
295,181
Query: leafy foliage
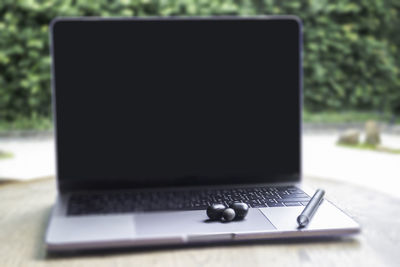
351,57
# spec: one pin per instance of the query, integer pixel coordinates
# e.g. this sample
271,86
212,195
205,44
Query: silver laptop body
136,228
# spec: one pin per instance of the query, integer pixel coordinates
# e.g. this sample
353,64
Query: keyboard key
296,199
296,195
268,200
279,204
289,204
259,205
294,190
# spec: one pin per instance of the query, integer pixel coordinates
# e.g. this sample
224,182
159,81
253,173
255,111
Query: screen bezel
66,185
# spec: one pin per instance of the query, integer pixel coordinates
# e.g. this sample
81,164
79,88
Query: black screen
157,102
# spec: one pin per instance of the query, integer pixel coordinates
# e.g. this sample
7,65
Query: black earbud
241,209
214,212
228,214
235,211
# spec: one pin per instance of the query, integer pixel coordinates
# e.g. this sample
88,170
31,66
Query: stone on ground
372,133
349,137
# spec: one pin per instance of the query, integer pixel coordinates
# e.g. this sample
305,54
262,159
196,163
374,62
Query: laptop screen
169,102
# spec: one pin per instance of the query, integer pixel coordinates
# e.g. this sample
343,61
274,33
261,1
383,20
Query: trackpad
186,223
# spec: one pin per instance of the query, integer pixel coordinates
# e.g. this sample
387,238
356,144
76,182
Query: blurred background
351,80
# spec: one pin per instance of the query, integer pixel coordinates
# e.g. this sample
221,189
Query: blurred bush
351,58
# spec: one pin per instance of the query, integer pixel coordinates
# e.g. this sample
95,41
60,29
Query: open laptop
157,118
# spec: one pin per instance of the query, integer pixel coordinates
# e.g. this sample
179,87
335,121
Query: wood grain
25,209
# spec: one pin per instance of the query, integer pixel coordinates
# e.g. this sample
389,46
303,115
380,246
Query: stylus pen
305,217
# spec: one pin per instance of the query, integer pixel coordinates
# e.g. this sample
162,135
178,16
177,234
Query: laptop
158,118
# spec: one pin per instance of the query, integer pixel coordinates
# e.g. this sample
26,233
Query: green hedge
351,58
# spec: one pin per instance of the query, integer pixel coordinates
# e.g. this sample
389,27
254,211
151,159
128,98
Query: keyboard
135,201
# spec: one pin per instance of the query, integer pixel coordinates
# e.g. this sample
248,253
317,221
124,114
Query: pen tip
302,220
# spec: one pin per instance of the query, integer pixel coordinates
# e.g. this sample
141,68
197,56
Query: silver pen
305,217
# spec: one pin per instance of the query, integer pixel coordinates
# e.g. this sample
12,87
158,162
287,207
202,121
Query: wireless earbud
235,211
228,214
214,212
241,209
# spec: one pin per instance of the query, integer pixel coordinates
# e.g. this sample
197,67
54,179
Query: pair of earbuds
235,211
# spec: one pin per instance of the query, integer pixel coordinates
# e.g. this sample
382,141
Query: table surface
25,209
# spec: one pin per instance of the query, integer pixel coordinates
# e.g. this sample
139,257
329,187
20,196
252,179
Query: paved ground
377,170
34,157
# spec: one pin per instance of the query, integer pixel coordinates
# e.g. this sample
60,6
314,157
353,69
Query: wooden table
25,209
